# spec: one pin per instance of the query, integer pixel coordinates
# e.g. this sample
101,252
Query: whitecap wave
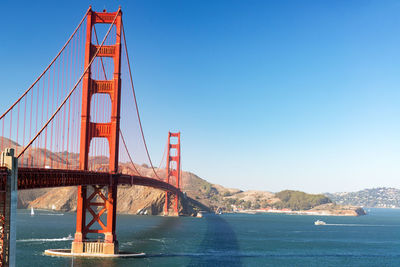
157,240
68,238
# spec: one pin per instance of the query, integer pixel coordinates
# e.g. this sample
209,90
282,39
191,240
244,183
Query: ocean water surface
223,240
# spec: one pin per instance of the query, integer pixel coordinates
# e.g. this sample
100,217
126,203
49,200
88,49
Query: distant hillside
296,200
382,197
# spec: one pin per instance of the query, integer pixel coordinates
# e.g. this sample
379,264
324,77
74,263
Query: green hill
297,200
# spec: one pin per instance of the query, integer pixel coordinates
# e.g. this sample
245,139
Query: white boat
318,222
200,214
53,207
32,212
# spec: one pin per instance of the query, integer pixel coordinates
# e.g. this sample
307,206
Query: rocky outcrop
339,210
60,198
25,197
131,200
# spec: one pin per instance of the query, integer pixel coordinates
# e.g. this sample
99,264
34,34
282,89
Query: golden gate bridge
68,129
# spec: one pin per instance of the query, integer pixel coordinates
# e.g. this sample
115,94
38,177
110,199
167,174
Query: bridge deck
31,178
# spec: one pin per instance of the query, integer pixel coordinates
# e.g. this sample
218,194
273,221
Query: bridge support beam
96,202
173,171
8,208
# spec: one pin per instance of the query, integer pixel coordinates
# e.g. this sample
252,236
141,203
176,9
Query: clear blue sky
268,95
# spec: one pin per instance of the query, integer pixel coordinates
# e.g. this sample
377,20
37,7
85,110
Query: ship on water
318,222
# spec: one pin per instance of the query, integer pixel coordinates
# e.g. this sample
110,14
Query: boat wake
68,238
351,224
267,255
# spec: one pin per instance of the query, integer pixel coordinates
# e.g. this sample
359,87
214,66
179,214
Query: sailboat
32,212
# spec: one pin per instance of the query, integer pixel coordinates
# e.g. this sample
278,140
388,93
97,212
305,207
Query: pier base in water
95,247
68,253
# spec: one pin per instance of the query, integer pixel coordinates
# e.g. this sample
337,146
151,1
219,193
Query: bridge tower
89,130
173,168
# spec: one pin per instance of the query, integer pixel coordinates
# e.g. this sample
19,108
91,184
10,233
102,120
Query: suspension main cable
73,89
101,59
48,67
134,97
127,151
165,151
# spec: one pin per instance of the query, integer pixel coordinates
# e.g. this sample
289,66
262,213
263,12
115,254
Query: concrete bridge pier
8,208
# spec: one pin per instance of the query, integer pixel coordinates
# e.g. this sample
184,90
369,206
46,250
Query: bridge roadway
31,178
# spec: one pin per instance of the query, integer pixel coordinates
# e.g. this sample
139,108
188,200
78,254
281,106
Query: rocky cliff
131,200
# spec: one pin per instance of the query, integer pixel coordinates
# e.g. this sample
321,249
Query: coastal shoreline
348,212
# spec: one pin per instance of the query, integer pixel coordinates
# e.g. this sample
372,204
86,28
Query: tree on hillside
297,200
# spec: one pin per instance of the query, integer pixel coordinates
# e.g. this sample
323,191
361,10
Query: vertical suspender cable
23,134
127,151
72,90
17,125
134,97
51,63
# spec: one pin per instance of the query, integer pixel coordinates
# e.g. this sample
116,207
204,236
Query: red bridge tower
90,130
173,169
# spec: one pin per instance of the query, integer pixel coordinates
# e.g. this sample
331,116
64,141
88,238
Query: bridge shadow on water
159,231
219,245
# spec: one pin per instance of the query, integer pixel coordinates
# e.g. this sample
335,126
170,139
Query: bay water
223,240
